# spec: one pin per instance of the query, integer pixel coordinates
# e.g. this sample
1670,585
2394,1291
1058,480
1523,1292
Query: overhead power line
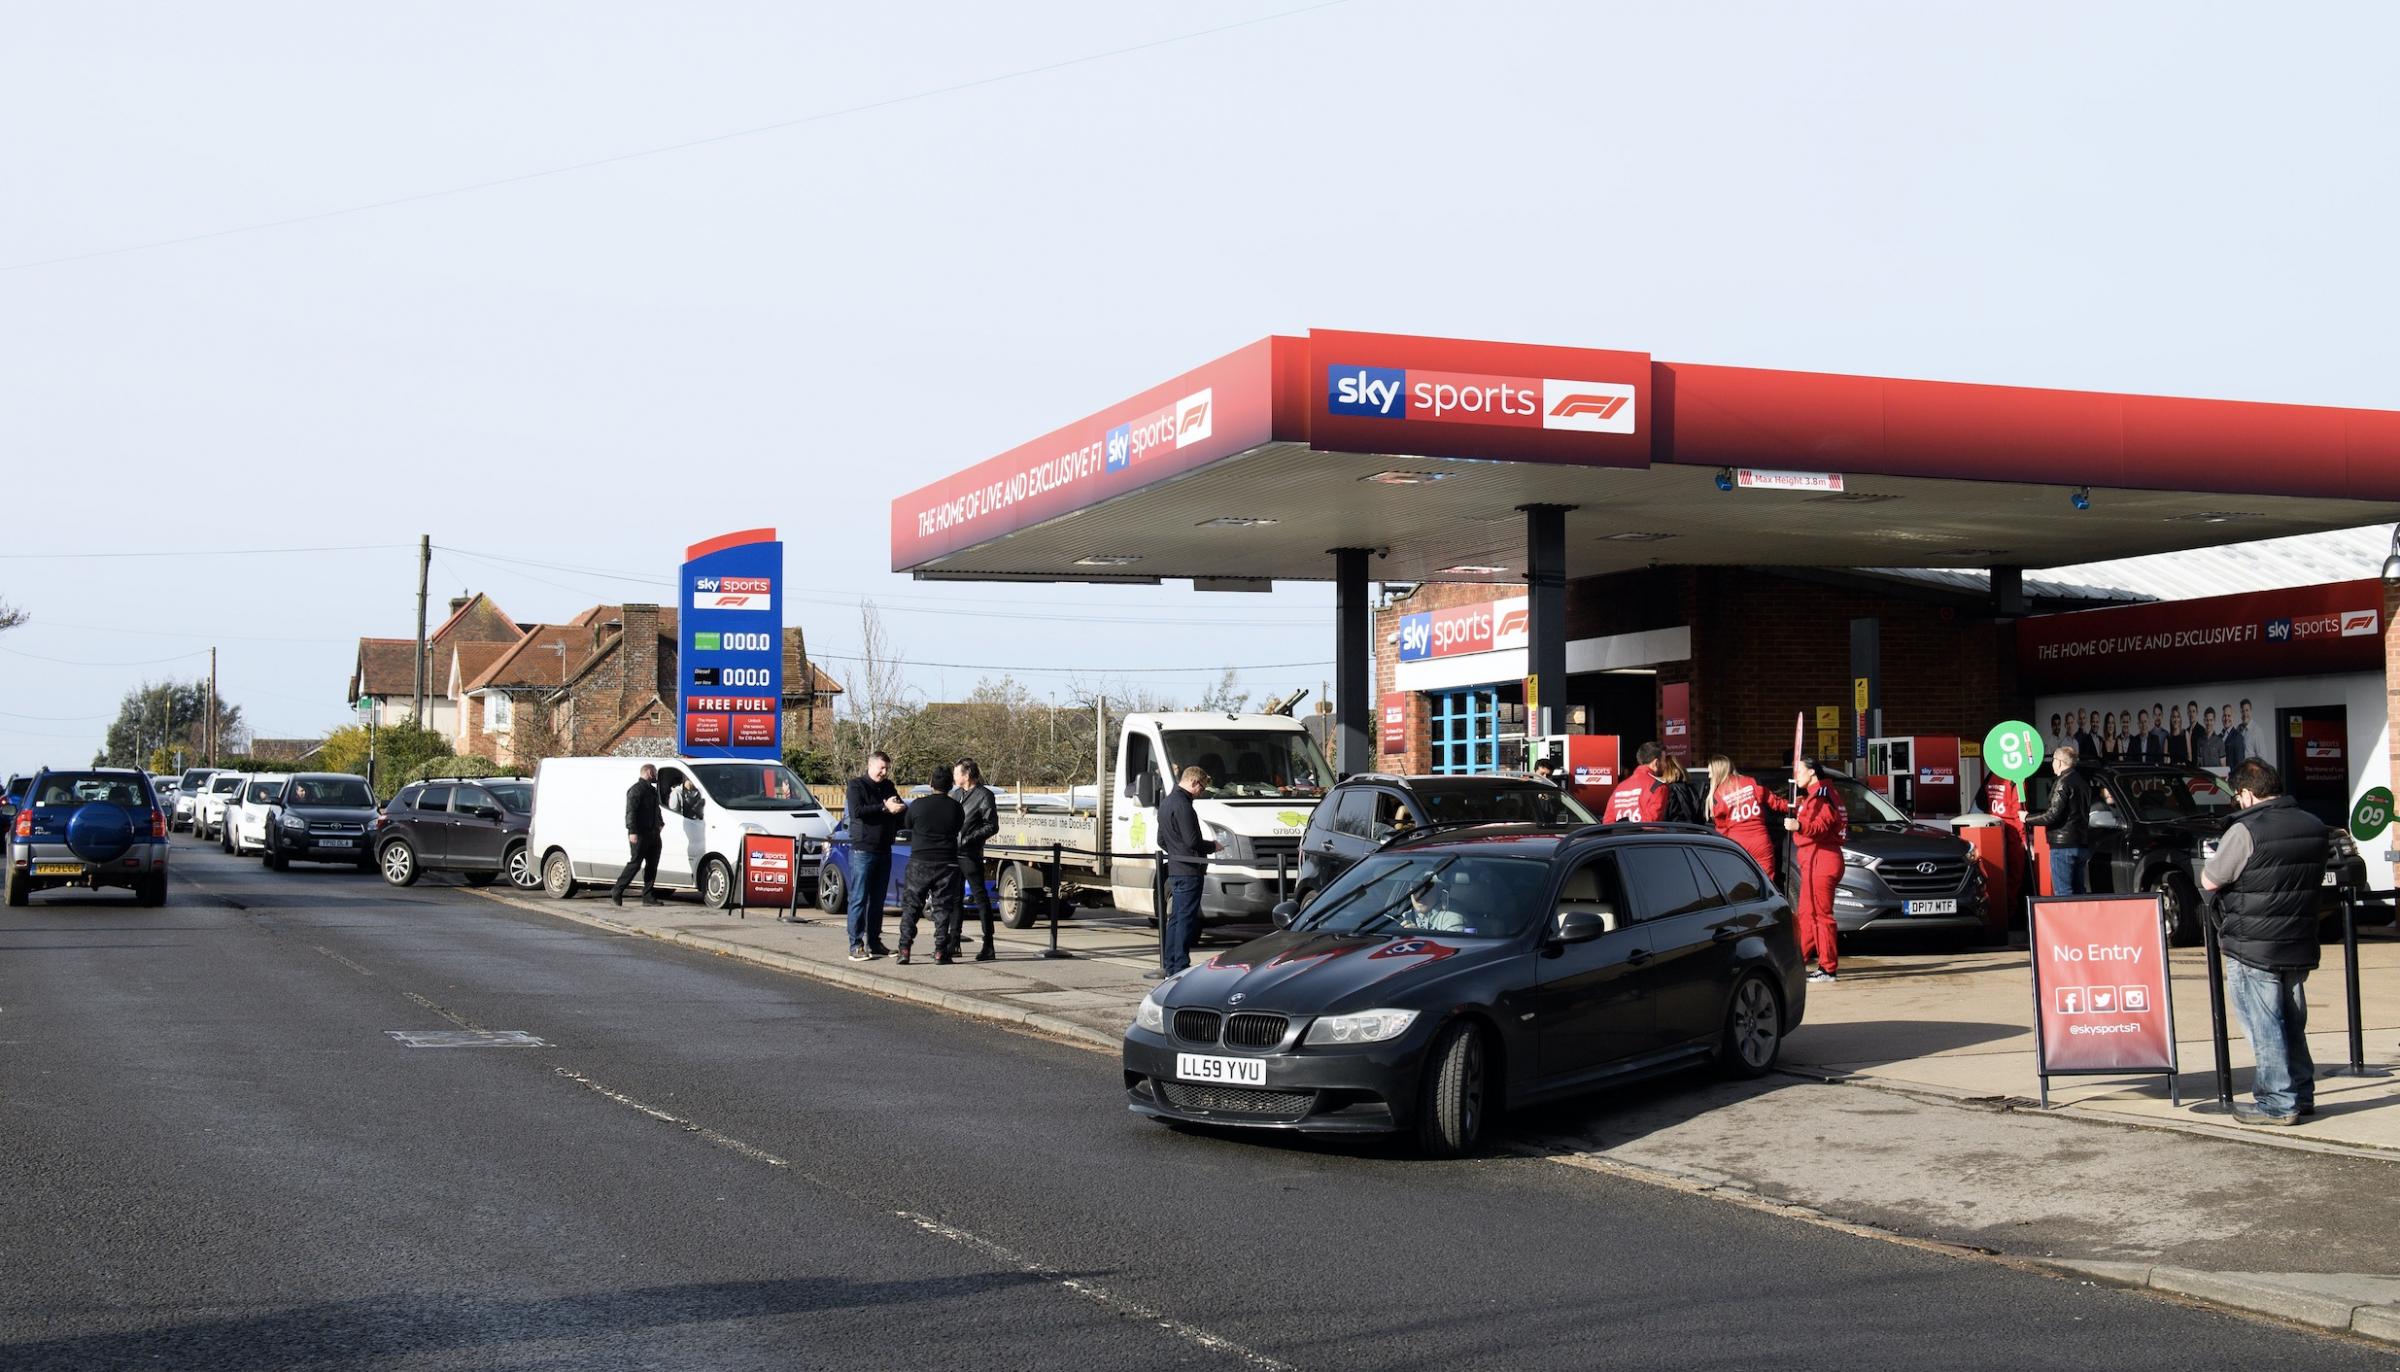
207,552
1203,672
78,662
662,149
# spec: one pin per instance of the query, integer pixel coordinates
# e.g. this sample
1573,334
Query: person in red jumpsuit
1641,797
1738,806
1818,827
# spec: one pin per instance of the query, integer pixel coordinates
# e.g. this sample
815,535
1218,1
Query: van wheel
716,884
1017,910
399,863
1753,1030
833,889
558,876
518,866
1450,1112
2179,910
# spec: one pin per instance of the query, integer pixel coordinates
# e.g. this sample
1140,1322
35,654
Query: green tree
165,717
399,750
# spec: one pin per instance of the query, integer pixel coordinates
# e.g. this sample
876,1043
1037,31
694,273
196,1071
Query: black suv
1363,812
2159,822
321,817
474,826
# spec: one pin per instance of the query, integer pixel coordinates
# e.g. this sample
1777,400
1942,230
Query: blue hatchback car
90,828
833,879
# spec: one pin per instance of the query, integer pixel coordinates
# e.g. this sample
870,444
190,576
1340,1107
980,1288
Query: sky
569,286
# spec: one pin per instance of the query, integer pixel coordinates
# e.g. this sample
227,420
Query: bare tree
880,704
10,616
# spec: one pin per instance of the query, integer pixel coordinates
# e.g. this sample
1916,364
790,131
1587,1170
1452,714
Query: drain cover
465,1038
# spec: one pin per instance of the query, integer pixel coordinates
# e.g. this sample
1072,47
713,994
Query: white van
579,822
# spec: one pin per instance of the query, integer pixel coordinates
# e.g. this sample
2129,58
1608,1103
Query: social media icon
2070,1000
2135,999
2104,1000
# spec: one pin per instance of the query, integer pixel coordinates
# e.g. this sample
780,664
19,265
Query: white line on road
1099,1294
724,1141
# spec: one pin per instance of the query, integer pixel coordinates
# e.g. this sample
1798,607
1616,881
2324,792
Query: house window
1466,732
497,710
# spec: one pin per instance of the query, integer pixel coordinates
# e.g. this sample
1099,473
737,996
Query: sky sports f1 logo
1180,425
733,593
1603,407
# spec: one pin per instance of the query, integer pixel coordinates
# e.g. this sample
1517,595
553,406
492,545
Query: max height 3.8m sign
729,695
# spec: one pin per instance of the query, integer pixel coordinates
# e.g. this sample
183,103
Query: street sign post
769,862
2103,1004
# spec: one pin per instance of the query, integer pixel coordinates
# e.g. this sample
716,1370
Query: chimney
459,602
637,659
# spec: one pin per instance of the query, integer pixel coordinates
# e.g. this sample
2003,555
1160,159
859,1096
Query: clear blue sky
596,367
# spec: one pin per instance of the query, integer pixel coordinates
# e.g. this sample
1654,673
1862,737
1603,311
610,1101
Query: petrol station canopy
1255,466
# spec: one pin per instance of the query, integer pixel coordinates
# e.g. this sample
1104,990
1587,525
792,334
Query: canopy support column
1546,618
1353,662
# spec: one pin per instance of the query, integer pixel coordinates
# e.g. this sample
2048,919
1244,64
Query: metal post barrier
1050,877
1283,884
2216,1009
1158,901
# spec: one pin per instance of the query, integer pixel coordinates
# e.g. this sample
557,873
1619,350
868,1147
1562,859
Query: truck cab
1265,777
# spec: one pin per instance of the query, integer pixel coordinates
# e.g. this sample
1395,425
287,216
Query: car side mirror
1578,926
2102,817
1145,789
487,812
1285,913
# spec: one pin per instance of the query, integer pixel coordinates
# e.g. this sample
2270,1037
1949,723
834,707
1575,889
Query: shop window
1465,734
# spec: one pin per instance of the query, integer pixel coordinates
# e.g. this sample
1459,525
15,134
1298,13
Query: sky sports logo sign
1599,407
2345,624
1179,425
733,593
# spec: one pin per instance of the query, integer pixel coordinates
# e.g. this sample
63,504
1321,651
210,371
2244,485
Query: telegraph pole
424,561
211,733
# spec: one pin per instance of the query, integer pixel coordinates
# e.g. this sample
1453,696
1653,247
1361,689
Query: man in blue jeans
872,806
1187,863
2267,874
2068,819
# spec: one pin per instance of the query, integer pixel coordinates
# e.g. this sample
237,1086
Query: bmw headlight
1851,857
1367,1026
1150,1015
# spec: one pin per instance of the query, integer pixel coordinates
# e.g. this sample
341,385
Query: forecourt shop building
1576,540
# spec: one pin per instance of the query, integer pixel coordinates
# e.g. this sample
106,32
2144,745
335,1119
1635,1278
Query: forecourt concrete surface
224,1153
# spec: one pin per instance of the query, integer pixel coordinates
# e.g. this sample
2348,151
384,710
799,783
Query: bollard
1158,902
2358,1028
1050,875
2216,1010
1283,886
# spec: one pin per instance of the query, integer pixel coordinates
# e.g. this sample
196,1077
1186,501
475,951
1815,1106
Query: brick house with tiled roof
385,670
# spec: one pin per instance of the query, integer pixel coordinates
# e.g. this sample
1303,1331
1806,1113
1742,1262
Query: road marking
465,1038
342,960
725,1141
1100,1295
455,1018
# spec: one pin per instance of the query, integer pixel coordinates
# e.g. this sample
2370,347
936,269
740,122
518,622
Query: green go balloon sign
2013,750
2372,815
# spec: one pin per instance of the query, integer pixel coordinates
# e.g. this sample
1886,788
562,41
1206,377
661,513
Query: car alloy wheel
520,869
833,895
1754,1028
399,863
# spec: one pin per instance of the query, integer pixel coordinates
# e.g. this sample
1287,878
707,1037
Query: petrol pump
1919,773
1588,765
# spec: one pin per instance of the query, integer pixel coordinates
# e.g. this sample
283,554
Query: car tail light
158,823
25,823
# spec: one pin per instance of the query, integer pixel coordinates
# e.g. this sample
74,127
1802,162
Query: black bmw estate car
1458,972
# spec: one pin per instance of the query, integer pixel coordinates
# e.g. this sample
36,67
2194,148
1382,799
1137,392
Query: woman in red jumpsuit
1818,829
1738,805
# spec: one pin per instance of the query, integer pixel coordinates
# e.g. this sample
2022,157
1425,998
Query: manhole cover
465,1038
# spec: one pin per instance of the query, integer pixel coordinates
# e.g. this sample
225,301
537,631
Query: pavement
226,1151
1905,1107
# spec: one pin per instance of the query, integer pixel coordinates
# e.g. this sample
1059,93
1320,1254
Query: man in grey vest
2267,874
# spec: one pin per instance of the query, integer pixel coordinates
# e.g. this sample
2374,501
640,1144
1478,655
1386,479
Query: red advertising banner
1394,713
753,730
704,731
1936,762
1675,718
1524,402
2303,631
770,863
2101,1001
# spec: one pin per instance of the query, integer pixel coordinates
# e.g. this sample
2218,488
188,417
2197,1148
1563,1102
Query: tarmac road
218,1157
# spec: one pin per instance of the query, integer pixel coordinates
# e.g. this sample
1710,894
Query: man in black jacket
643,821
933,821
1187,863
982,820
2069,821
872,807
2266,874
